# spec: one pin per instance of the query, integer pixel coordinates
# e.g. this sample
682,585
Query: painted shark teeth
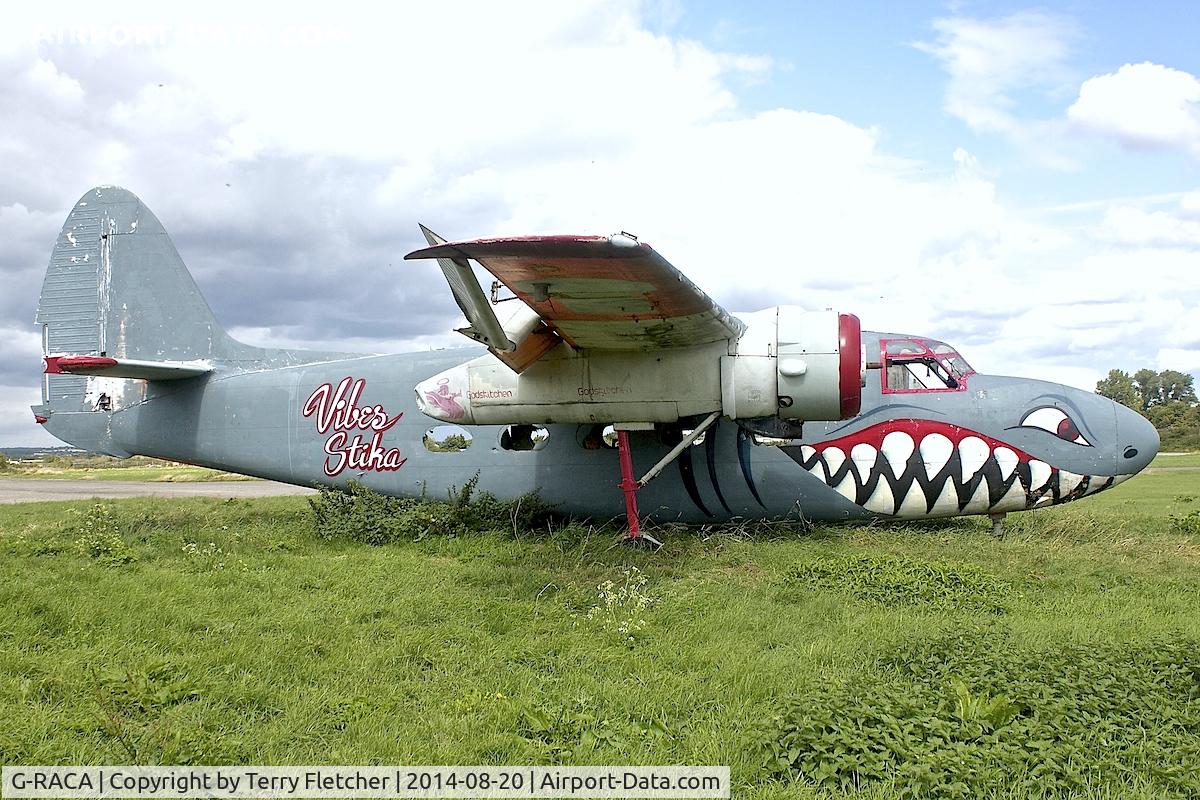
914,504
1068,482
833,458
916,476
973,452
863,457
936,450
1007,460
1039,475
897,448
881,500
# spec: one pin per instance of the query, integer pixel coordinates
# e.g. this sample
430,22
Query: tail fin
116,289
122,321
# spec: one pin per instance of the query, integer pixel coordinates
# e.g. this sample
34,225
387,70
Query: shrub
363,515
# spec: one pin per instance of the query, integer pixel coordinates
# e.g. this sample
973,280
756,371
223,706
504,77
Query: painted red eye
1053,420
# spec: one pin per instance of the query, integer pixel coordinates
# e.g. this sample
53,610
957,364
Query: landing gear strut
630,486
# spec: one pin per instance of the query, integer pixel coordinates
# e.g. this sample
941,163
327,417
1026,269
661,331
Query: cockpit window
922,365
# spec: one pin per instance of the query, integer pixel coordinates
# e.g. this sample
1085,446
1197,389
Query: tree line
1167,399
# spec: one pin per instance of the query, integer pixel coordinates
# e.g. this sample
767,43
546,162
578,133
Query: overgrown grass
233,632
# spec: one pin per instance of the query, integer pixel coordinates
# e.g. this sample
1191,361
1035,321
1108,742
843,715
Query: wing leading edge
599,292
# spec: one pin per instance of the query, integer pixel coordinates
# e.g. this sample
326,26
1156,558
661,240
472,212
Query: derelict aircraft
609,363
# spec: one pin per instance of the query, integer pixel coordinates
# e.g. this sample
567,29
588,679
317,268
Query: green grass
215,632
1189,460
105,468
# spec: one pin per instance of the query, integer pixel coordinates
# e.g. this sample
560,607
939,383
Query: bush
363,515
975,713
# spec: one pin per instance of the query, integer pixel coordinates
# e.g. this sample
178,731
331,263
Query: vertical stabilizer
116,288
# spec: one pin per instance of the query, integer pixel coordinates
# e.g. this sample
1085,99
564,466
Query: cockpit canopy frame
913,364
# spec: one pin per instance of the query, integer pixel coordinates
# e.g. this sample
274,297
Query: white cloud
22,347
1130,225
44,78
990,60
1142,106
17,426
1179,358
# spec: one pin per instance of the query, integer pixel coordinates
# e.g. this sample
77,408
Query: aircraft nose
1137,441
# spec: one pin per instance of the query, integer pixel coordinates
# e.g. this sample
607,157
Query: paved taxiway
29,490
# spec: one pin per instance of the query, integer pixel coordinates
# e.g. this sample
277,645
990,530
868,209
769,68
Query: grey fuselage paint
254,422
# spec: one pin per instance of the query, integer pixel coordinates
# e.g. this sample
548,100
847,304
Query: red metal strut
629,485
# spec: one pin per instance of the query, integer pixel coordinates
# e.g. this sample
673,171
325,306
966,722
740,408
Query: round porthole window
447,439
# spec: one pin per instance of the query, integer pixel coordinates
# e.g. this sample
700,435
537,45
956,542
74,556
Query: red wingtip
40,420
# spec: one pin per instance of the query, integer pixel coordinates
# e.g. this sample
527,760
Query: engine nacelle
795,364
789,363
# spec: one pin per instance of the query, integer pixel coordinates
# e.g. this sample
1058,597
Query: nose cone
444,396
1137,441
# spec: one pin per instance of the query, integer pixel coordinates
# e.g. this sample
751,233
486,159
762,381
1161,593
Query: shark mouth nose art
922,468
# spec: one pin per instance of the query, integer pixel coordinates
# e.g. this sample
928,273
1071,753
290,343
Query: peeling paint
112,388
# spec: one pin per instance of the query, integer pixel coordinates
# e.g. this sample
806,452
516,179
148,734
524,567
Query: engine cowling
788,363
795,364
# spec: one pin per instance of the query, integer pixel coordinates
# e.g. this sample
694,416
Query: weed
1188,524
132,703
898,580
99,537
209,557
622,605
973,712
568,732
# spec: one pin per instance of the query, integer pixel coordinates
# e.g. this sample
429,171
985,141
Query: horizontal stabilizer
104,367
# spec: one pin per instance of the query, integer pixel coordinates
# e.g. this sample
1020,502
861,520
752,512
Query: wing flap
602,292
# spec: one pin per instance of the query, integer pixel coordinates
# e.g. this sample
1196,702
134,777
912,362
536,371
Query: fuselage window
524,437
600,436
447,439
922,365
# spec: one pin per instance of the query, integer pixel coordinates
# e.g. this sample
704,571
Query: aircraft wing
599,292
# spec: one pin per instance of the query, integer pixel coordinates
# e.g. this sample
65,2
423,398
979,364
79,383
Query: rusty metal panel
601,292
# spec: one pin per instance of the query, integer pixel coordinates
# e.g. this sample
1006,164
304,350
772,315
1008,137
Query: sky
1020,181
